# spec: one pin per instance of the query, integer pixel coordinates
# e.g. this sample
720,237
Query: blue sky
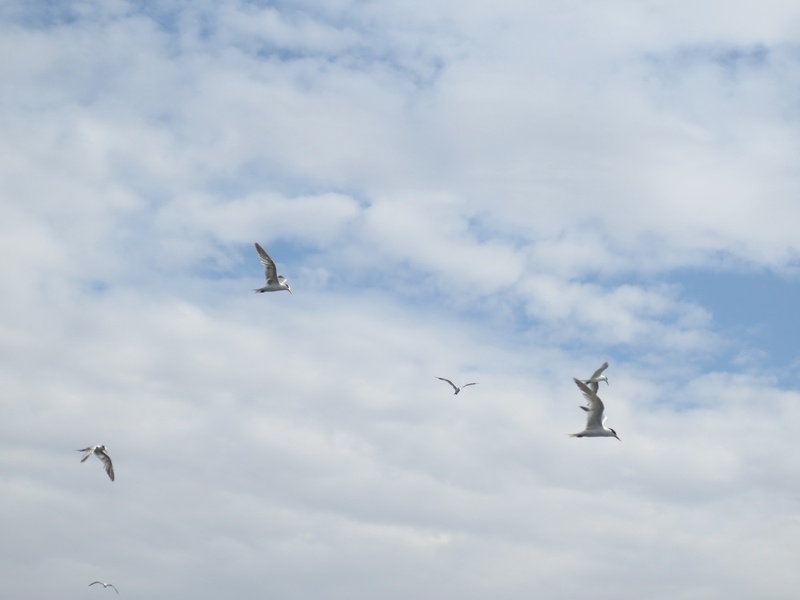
508,192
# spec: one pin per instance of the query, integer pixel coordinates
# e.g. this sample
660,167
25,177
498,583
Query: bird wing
450,382
592,382
594,416
91,584
466,384
87,452
592,385
597,373
112,586
102,455
269,265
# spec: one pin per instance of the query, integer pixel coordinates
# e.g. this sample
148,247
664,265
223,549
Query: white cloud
313,219
493,194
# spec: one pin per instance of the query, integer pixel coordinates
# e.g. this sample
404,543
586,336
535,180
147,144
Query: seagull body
105,585
455,387
595,418
275,282
594,381
101,453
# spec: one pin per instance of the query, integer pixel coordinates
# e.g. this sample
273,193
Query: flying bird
595,418
105,585
275,282
455,387
594,381
101,453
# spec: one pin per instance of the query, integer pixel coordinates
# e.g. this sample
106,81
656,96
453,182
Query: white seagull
101,453
275,282
596,378
455,387
595,418
105,585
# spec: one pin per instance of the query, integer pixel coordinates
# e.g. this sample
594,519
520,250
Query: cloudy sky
507,192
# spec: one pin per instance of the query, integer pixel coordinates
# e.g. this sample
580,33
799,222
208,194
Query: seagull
102,454
105,585
455,387
275,282
595,418
596,378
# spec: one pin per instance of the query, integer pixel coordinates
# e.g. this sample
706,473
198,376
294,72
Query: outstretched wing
466,384
269,265
87,453
599,371
102,455
594,416
105,585
450,382
592,381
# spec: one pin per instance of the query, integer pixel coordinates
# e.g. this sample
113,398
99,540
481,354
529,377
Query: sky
506,192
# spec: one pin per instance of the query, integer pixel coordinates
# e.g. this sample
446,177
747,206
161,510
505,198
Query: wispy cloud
508,194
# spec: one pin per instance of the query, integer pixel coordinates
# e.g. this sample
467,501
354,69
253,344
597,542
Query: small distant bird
595,418
105,585
275,282
101,453
455,387
596,378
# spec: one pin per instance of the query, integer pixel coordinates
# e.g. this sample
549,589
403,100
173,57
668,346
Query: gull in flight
455,387
595,418
596,378
101,453
275,282
105,585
